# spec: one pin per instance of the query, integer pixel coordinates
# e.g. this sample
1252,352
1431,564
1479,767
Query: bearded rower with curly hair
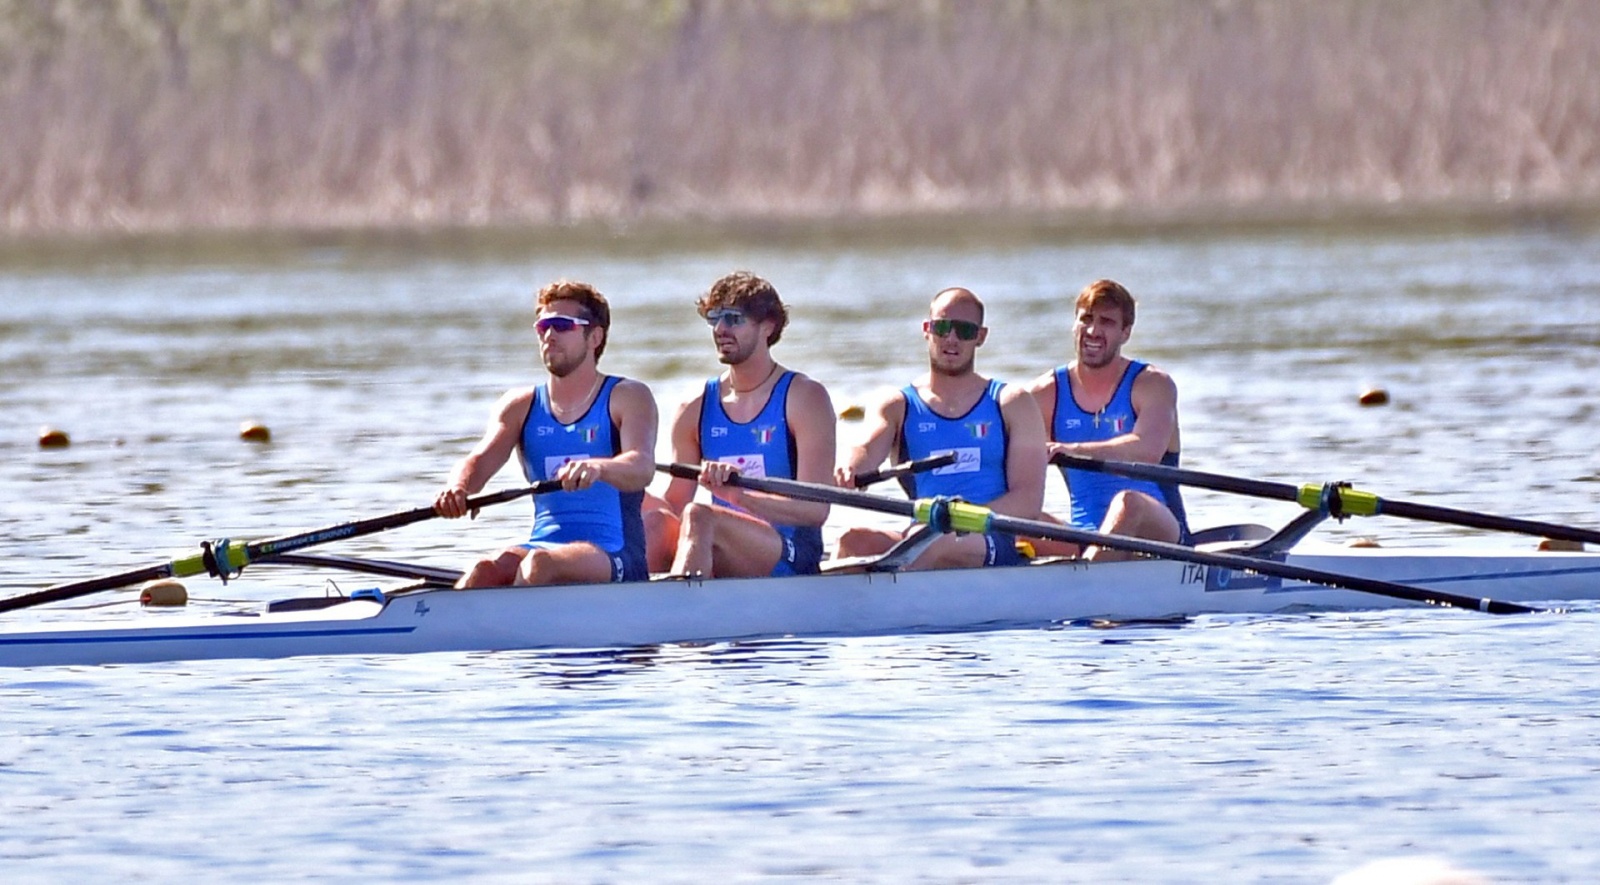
758,419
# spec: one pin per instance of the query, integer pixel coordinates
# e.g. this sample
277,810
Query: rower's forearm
628,472
780,510
1123,448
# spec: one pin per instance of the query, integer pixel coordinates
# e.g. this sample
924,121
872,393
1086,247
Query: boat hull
623,615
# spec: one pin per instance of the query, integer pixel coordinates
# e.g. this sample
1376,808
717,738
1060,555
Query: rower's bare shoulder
1044,384
517,400
809,394
1155,380
634,392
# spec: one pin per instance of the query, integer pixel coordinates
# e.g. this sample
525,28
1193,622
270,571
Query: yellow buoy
164,592
1374,396
251,431
52,438
852,413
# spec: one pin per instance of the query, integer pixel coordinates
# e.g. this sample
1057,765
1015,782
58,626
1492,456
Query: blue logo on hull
1219,579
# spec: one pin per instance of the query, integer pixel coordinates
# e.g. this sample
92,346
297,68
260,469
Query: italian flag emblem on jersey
979,429
765,435
590,434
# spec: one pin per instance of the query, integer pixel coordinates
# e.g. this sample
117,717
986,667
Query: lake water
1272,749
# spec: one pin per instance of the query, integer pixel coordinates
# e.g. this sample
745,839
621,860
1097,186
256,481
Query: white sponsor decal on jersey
969,459
753,466
552,464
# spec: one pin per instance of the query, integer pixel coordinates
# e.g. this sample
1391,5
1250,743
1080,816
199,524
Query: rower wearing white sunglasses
595,433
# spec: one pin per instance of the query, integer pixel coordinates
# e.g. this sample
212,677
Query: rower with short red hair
1105,405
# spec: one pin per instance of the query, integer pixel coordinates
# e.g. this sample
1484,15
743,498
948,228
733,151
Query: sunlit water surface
1273,748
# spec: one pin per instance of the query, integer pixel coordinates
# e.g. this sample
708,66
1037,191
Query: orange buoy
1363,543
251,431
1374,396
164,592
1560,544
852,413
52,438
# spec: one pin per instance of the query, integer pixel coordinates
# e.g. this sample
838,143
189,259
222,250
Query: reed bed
173,115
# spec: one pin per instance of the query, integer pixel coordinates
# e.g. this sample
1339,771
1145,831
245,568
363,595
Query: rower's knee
537,567
863,542
486,573
1141,516
696,520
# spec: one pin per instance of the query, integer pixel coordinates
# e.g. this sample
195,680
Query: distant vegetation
150,115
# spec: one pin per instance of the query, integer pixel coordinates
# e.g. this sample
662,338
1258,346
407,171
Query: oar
960,516
1339,501
895,471
385,567
224,559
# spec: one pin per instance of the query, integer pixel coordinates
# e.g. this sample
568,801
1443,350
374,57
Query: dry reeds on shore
151,115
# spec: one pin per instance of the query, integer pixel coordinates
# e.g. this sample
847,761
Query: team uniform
978,440
1092,492
601,515
763,446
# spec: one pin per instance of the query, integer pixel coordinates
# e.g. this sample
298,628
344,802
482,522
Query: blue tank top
978,439
1092,492
760,447
600,514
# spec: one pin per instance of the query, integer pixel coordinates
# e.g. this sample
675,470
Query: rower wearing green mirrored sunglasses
993,429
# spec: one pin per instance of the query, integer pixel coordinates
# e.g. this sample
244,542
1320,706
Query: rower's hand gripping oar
223,560
960,516
1334,499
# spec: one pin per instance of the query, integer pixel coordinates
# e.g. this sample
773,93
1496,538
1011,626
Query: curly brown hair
1106,292
597,311
744,291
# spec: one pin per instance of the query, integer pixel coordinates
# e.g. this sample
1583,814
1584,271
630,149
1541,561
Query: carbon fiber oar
1338,500
223,559
955,515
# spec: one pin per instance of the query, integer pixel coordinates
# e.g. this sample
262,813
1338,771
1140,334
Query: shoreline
275,243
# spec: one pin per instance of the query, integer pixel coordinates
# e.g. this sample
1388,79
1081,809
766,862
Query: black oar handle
291,543
895,471
1337,500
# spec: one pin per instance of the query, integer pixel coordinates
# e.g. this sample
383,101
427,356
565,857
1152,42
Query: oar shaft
1490,522
1161,473
59,592
1273,568
1340,500
972,518
232,558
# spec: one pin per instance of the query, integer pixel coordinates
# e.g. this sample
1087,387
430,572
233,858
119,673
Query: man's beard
739,354
560,366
